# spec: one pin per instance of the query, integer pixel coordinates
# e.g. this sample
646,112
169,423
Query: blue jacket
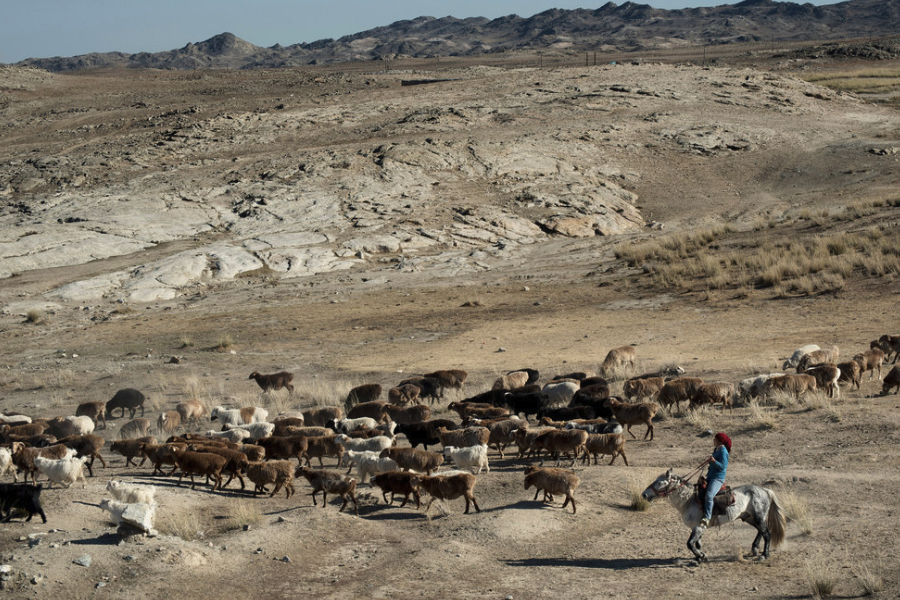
717,469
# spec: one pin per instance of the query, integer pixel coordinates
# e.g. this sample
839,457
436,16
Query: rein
684,481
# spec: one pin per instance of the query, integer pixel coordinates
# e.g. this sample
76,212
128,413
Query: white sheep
82,425
6,464
794,360
369,464
559,393
238,416
137,514
232,435
472,457
130,493
256,430
64,471
372,444
351,425
15,419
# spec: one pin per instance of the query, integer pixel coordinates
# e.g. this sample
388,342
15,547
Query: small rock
501,349
286,559
84,561
258,551
537,303
247,527
526,289
37,579
100,584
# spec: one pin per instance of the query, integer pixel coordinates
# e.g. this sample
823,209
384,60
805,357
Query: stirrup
704,523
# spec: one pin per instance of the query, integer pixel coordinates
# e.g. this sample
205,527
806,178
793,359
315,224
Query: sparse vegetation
762,418
241,514
821,577
186,341
225,343
635,489
797,511
35,317
184,524
870,577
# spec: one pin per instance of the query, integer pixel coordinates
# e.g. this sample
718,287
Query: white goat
473,458
232,435
135,514
238,416
351,425
81,425
64,471
130,493
368,464
372,444
256,430
6,464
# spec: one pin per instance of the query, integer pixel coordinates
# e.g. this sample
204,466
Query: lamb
200,463
634,414
553,481
869,361
373,444
95,411
371,410
130,399
326,481
850,372
829,354
368,392
282,447
86,445
398,482
25,498
473,457
410,414
603,444
168,422
322,415
449,487
6,464
643,388
794,360
559,441
256,430
462,438
191,411
678,391
274,381
827,376
618,358
795,385
238,416
890,344
135,428
350,425
425,433
277,472
451,378
131,448
64,471
413,459
891,380
320,447
511,381
559,393
130,493
369,464
713,393
236,436
403,395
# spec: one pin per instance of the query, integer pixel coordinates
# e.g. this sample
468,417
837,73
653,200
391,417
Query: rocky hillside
628,26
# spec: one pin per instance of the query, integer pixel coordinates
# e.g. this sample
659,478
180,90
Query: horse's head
661,487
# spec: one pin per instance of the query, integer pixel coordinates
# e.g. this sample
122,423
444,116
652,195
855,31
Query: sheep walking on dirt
551,481
328,480
449,487
279,473
274,381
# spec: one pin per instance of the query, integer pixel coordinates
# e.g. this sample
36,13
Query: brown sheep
618,358
449,487
280,447
678,391
368,392
461,408
320,447
309,432
717,392
280,473
827,376
525,440
131,449
634,414
322,415
643,388
326,481
462,438
274,381
891,380
236,465
282,423
889,344
850,372
86,445
95,410
511,381
398,482
200,463
451,378
168,422
191,411
403,395
870,360
136,428
493,412
414,459
827,354
26,430
254,452
161,454
795,385
405,416
502,432
23,458
602,444
561,441
553,481
372,410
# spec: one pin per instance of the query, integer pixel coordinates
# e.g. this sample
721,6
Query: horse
755,505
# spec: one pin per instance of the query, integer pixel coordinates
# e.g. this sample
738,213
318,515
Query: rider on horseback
715,475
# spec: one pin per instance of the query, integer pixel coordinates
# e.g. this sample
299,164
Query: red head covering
724,439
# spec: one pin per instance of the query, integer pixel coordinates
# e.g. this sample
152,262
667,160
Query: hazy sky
47,28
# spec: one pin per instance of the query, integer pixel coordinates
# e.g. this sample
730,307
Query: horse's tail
776,520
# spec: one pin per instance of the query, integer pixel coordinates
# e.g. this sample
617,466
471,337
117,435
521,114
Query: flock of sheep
576,416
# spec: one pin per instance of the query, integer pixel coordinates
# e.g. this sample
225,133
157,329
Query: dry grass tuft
699,419
870,577
184,524
635,489
797,510
821,577
240,514
185,341
762,418
225,343
35,317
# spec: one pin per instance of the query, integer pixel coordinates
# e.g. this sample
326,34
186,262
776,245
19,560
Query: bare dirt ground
698,147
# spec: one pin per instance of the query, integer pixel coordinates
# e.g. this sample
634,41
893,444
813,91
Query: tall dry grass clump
636,487
761,418
35,317
869,576
241,514
184,524
797,511
821,577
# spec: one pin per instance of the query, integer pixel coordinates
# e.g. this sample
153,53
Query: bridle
683,482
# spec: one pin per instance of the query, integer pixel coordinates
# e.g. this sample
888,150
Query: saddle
723,499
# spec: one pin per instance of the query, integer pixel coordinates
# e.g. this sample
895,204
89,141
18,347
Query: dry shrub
700,419
240,514
797,511
870,577
635,489
185,341
184,524
762,418
35,317
225,343
820,576
326,392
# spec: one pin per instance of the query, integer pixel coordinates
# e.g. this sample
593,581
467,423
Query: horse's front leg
754,547
695,544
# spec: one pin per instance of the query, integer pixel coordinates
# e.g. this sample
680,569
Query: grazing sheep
561,441
235,436
351,425
370,410
368,392
404,395
869,361
413,459
274,381
754,387
238,416
891,380
634,414
285,447
130,399
135,428
131,449
511,381
827,376
618,358
86,445
191,411
409,414
25,498
168,422
559,393
6,464
601,444
890,344
425,433
451,378
256,430
326,481
64,471
15,419
428,387
795,385
533,375
828,354
850,372
279,473
643,388
449,487
474,457
398,482
320,447
678,390
131,493
95,411
794,360
553,481
200,463
463,438
713,393
321,416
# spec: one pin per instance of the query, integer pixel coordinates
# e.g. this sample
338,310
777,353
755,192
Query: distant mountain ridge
628,26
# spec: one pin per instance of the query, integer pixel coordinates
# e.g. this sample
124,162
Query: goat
449,487
6,464
190,411
398,482
603,444
96,411
472,457
25,498
64,471
274,381
413,459
553,481
530,403
130,399
369,464
277,472
373,444
326,481
890,344
634,414
618,358
322,415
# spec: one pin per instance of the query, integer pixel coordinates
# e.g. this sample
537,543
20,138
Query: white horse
753,504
